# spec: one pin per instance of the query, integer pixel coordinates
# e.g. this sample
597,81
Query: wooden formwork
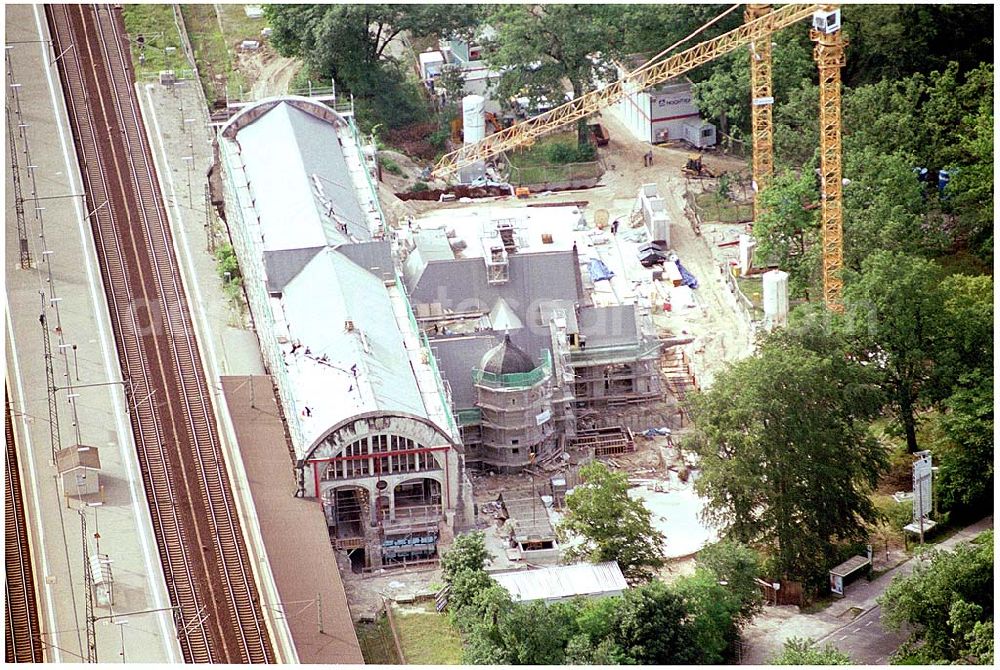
606,441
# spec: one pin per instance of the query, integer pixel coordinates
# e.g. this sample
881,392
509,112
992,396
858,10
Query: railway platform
131,615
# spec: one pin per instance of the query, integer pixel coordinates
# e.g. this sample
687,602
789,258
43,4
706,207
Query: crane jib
646,76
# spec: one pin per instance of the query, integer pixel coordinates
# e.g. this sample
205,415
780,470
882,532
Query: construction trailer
663,113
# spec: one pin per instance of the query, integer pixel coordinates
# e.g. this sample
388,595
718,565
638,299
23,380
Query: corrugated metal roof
356,362
299,180
563,581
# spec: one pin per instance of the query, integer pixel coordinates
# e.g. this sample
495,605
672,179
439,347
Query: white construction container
474,118
474,129
746,248
699,133
775,299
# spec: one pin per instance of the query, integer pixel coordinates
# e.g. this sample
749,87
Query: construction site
540,329
394,366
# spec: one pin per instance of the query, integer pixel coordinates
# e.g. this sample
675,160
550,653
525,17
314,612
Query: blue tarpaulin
687,278
598,270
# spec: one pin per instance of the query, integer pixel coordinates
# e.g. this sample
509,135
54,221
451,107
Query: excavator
695,169
760,21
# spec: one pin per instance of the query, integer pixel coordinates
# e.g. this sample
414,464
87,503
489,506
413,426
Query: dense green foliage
894,315
536,47
612,526
948,602
696,621
351,43
786,458
802,652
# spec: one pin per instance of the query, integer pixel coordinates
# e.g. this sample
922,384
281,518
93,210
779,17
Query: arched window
380,454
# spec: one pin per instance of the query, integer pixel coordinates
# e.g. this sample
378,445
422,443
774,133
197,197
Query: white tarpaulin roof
563,581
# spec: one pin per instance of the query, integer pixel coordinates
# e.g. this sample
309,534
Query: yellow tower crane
761,102
829,55
760,23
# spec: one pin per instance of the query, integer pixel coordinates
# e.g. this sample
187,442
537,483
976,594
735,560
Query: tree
725,93
538,46
786,459
796,127
973,184
612,526
799,651
895,307
463,569
467,552
351,43
968,312
893,41
965,481
943,600
884,207
738,566
787,230
714,613
652,627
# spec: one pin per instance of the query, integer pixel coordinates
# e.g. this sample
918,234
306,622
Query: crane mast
761,103
760,21
829,55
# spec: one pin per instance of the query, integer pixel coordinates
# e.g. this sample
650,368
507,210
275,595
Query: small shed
563,582
78,468
848,570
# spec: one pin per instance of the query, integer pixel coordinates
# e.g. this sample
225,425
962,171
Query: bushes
695,621
561,153
389,165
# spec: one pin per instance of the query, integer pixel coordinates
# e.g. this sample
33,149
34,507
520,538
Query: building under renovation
507,298
369,416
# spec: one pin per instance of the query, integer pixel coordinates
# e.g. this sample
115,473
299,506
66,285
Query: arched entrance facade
394,478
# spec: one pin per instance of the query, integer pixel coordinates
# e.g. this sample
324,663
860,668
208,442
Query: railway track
205,561
23,634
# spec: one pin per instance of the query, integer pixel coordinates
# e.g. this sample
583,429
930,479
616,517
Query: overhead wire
682,41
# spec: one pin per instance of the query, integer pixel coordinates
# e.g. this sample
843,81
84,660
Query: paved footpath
65,284
862,637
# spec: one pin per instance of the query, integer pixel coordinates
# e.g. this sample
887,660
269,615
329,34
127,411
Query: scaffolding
497,264
346,515
617,383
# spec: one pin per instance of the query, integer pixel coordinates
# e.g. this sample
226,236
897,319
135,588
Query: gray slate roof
609,326
456,356
506,359
332,290
300,181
